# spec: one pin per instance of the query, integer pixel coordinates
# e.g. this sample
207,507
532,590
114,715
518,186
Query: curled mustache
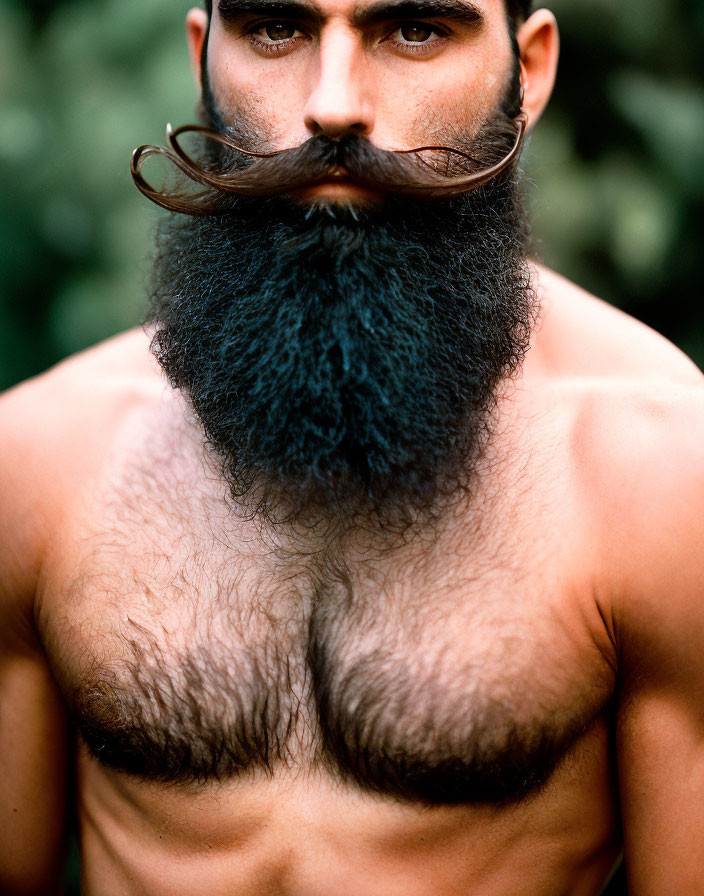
227,170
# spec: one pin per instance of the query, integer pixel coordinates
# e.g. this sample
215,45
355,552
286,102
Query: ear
196,34
539,45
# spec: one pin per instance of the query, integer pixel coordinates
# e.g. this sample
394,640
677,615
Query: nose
340,102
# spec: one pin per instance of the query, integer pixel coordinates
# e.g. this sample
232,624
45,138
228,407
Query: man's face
402,73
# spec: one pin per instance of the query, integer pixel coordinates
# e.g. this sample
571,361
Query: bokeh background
616,167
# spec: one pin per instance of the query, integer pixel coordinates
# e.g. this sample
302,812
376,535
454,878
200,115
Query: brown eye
416,33
276,31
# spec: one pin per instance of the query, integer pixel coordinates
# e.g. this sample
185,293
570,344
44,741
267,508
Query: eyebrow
463,12
231,10
459,11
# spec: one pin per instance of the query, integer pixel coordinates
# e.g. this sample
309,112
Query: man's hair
518,10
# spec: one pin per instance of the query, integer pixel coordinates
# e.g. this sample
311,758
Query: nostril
333,123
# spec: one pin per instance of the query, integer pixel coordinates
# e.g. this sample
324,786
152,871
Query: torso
435,722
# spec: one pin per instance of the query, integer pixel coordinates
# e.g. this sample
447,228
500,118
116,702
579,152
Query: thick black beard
345,363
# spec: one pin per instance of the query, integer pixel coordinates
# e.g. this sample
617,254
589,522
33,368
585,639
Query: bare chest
188,653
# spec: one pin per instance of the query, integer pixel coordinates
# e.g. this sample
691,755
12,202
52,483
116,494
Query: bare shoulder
633,490
74,404
86,384
581,335
645,461
636,406
629,415
640,444
56,428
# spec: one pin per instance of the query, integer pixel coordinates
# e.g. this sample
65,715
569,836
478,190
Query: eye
278,31
275,36
417,37
416,33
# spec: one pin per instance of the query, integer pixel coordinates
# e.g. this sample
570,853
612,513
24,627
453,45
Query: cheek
255,114
457,93
253,93
433,111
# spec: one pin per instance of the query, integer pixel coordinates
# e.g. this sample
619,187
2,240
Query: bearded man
382,572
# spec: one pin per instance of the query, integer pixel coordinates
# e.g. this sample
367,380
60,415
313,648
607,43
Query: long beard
345,363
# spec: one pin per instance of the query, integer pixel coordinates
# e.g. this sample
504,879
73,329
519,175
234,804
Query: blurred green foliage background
617,166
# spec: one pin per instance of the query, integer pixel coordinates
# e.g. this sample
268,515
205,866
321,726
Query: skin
594,489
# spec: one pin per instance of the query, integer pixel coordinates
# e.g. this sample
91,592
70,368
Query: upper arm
54,434
659,628
32,724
